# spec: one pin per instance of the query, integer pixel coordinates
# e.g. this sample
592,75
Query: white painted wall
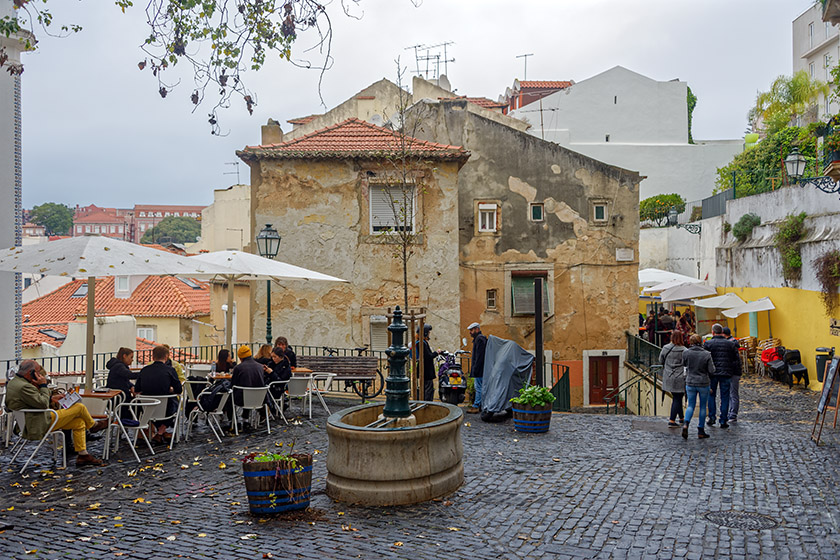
677,250
111,333
226,223
647,124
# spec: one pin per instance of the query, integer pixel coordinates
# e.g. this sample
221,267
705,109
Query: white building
226,224
625,119
816,49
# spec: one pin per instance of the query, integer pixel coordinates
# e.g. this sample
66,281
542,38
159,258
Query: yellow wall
799,321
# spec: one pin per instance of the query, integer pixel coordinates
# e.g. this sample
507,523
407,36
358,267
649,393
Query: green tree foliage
175,229
744,226
691,100
56,218
788,97
220,39
791,230
655,208
761,168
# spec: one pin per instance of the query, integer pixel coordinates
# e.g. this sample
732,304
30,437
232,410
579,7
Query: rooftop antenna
431,71
416,56
525,56
236,164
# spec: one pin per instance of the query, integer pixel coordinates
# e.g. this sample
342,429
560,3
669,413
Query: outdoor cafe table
93,400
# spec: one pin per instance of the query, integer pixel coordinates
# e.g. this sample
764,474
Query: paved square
594,487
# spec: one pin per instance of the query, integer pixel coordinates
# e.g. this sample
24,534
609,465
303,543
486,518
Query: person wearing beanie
248,373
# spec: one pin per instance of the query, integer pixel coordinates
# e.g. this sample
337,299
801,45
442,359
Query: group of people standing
709,370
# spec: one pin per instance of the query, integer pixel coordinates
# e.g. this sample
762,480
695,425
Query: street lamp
795,166
672,221
268,245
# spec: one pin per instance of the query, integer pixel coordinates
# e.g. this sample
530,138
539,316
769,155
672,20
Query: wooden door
603,378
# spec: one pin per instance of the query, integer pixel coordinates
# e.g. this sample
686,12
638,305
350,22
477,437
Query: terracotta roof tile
349,139
144,347
303,120
155,297
544,84
33,335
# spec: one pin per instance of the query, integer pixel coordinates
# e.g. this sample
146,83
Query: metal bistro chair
192,389
212,415
278,387
327,379
141,410
160,414
253,399
19,418
300,387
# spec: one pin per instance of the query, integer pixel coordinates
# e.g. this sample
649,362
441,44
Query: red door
603,378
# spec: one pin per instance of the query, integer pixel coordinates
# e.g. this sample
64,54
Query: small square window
122,283
600,212
487,221
537,211
491,299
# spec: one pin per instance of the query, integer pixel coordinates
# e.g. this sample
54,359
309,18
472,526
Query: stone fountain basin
394,466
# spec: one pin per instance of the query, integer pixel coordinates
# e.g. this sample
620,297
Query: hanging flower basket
277,483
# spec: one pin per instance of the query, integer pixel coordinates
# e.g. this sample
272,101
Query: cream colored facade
225,223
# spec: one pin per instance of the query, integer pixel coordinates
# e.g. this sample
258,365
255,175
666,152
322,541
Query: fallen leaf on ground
222,465
248,537
202,534
454,529
398,543
170,538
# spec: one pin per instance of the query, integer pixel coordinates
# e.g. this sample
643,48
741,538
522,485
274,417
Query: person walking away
159,379
428,366
673,375
477,369
699,366
28,389
725,356
734,381
666,325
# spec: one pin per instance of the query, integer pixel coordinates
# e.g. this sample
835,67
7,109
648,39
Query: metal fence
715,205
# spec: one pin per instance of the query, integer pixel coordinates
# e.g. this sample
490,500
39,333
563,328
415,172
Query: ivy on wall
791,230
827,268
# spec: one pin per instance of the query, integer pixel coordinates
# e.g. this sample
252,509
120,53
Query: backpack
211,398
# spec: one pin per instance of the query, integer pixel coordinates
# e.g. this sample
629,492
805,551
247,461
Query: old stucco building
516,208
324,192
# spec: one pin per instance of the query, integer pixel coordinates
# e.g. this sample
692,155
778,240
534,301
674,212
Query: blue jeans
477,382
720,384
734,396
691,393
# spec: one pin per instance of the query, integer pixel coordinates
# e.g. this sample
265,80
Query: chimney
271,133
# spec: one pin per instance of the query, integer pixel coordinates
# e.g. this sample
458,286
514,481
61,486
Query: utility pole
525,56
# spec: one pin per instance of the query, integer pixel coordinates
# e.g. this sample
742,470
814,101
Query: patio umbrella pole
91,286
229,317
769,327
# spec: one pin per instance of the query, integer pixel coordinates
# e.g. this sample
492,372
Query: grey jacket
698,366
673,375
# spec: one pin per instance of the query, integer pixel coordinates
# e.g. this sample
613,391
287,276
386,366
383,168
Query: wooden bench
360,372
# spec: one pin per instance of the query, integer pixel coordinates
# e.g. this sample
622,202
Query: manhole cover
741,520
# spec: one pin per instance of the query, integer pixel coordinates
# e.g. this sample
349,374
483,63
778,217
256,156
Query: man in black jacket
725,356
247,373
159,379
477,369
428,366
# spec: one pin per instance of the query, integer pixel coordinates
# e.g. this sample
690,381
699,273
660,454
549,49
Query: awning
686,292
654,276
763,304
726,301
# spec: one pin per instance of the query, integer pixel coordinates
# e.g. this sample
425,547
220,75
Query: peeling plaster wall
321,210
593,297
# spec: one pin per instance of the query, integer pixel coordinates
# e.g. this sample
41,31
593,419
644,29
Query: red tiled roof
303,120
156,296
162,248
31,335
486,103
144,347
349,139
57,237
544,84
98,218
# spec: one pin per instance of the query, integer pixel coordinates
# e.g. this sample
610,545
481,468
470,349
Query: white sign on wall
624,255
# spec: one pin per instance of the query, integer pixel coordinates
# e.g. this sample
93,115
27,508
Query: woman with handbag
673,375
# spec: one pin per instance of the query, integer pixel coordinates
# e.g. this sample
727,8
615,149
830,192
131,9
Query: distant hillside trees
56,218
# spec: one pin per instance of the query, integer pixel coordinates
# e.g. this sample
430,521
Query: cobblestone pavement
595,486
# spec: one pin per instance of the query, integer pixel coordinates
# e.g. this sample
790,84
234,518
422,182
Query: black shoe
701,433
724,425
710,422
685,432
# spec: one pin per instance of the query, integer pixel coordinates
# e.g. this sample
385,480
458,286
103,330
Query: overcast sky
96,130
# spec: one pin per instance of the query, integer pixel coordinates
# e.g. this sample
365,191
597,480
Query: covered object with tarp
507,367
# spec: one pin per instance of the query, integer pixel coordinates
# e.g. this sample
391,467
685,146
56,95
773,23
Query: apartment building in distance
128,224
816,49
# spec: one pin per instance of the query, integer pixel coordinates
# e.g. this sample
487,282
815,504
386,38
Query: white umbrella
240,265
664,286
685,292
91,256
654,276
725,301
763,304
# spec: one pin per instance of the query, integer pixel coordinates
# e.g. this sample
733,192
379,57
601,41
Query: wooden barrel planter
275,487
532,419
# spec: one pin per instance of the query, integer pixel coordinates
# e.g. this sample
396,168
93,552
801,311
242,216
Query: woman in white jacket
673,375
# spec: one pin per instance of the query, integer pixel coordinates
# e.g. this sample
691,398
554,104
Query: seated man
248,373
281,342
159,379
29,390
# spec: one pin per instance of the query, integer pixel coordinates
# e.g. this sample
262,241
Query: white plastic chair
278,387
326,379
160,414
19,418
190,395
141,410
253,399
211,415
300,387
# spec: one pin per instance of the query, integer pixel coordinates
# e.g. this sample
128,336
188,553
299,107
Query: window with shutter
487,217
522,294
391,208
378,332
